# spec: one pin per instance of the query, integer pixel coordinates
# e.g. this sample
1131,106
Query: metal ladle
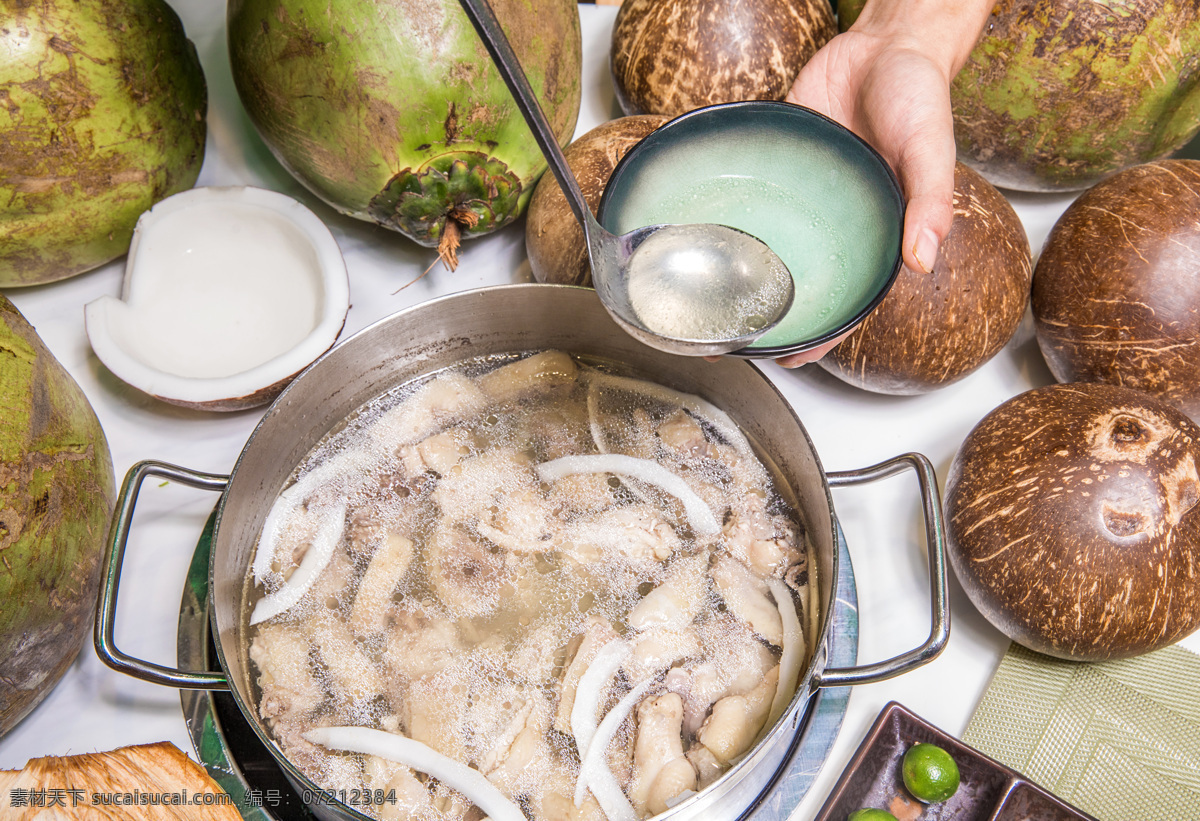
694,289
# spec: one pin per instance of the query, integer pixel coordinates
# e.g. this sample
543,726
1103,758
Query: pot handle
935,537
106,606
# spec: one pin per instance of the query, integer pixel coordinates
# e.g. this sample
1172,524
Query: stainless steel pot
437,334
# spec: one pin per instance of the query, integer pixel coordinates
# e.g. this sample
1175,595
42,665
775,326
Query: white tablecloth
94,708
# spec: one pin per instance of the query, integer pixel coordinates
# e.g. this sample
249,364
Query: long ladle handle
485,22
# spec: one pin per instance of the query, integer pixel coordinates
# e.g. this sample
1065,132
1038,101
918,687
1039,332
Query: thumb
927,178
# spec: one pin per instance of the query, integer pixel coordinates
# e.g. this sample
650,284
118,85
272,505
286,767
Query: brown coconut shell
1072,521
553,238
669,57
1116,291
934,329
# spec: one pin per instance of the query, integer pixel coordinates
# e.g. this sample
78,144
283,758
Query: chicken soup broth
527,587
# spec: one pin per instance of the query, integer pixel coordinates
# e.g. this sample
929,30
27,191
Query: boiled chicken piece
548,371
555,801
764,543
435,710
290,689
634,532
581,494
387,568
735,663
683,434
333,589
522,524
553,431
537,655
438,453
412,797
736,721
466,574
660,648
352,676
511,762
708,768
597,632
469,490
661,772
420,646
445,400
678,600
748,597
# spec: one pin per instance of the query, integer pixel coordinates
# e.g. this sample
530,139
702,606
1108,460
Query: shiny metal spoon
696,289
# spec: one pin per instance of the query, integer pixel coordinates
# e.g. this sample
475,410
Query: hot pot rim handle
935,537
110,580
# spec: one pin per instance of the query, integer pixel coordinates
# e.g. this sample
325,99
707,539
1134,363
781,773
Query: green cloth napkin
1118,739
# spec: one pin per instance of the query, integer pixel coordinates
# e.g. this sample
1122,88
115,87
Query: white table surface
94,708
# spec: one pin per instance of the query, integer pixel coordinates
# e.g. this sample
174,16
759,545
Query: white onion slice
350,462
594,421
604,666
594,773
316,558
793,650
652,473
454,774
716,417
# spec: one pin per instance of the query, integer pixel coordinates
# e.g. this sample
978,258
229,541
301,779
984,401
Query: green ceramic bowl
819,196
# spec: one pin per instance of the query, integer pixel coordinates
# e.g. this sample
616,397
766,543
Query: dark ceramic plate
988,791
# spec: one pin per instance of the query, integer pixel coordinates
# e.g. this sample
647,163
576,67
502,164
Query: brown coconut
553,238
1116,292
669,57
1072,521
934,329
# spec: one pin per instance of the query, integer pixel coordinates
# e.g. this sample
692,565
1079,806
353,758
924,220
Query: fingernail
925,250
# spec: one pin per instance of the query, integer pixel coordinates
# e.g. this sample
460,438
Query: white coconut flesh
227,292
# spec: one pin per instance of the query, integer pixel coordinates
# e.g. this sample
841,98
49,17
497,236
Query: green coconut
102,115
57,491
1058,94
391,111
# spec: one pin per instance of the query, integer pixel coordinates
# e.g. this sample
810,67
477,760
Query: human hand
887,79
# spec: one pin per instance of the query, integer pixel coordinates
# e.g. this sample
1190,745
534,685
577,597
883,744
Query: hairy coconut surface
554,239
103,115
1058,94
57,491
934,329
669,57
1072,521
1116,292
391,111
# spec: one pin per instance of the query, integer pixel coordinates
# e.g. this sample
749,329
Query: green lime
929,773
870,815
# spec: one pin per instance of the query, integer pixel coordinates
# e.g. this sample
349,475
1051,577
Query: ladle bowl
821,197
694,288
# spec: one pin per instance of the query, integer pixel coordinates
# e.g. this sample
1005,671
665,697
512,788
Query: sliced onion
594,421
594,773
707,411
793,650
652,473
454,774
346,462
595,678
316,558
